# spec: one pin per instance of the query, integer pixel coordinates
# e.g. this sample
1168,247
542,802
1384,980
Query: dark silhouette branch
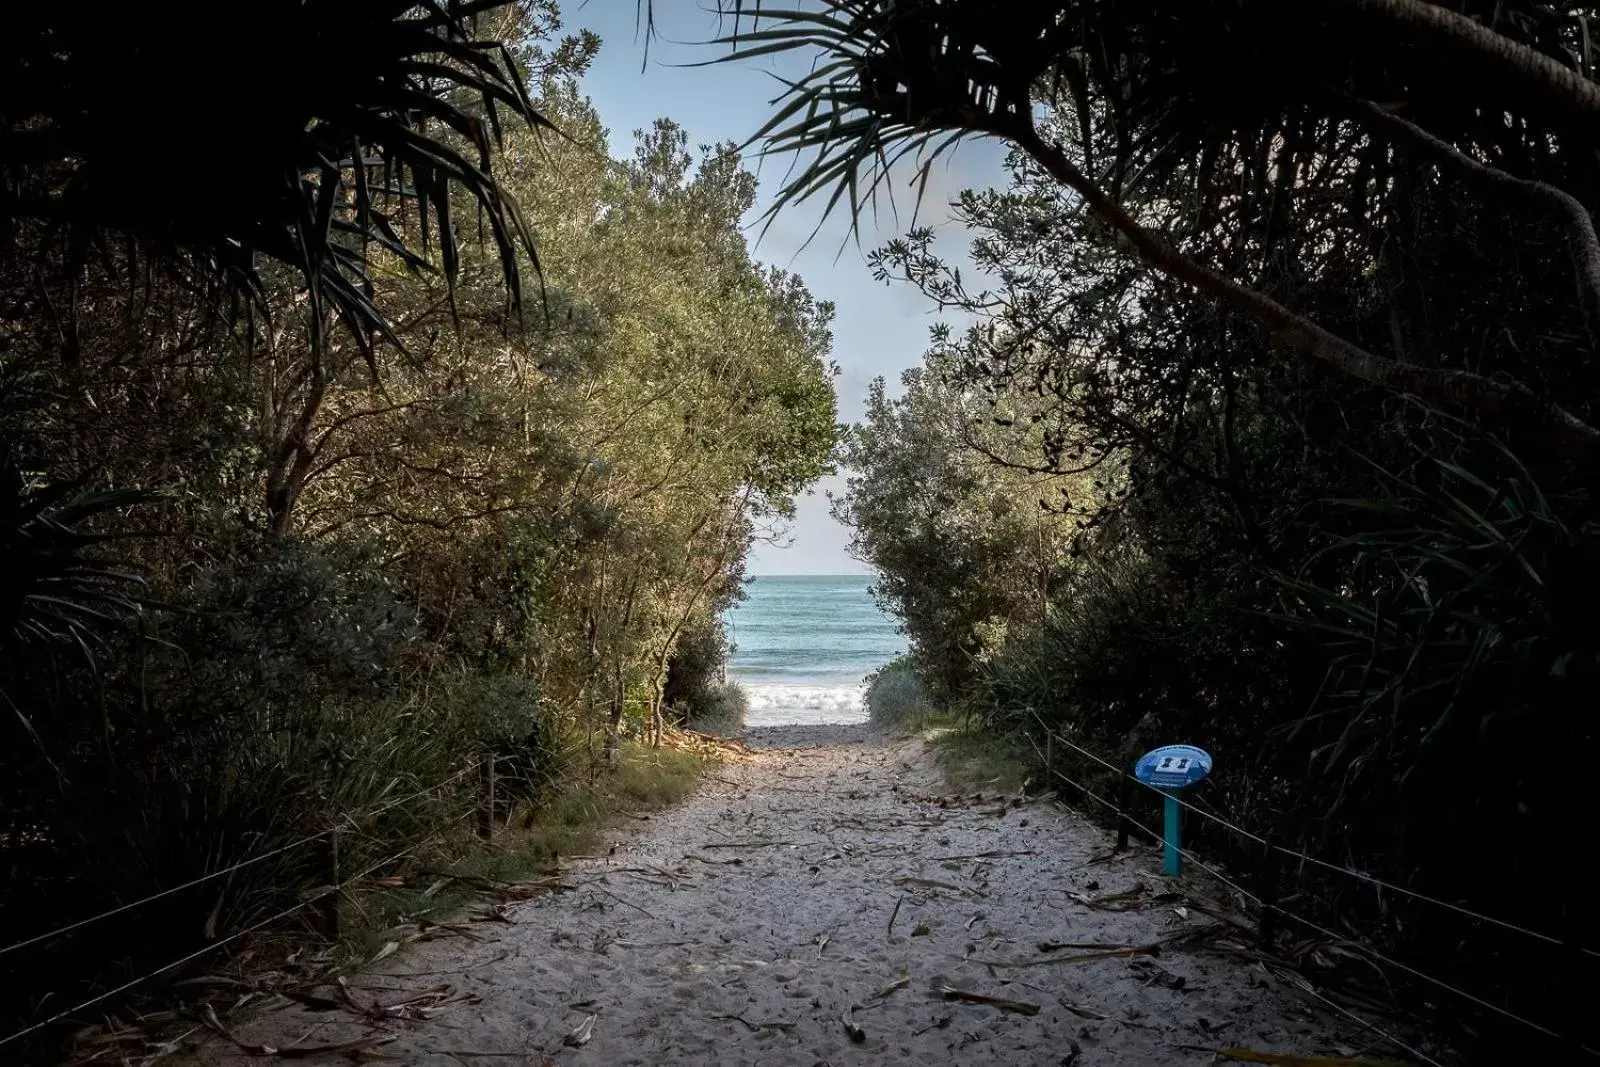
1454,388
1531,70
1581,232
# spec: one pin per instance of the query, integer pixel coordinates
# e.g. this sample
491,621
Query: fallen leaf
893,987
293,1052
581,1033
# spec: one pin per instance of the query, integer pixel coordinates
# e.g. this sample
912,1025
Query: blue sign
1169,769
1173,766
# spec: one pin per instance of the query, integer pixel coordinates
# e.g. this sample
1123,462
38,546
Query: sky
880,330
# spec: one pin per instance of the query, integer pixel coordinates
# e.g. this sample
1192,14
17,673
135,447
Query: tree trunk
614,725
1495,54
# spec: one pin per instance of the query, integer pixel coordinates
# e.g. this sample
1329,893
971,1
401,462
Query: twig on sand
931,883
1111,952
893,914
734,862
746,844
621,900
943,988
756,1028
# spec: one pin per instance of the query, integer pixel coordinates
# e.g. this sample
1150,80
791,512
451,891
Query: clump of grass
723,712
975,758
571,820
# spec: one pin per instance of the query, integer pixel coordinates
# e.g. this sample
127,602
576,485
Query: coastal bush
299,581
896,696
1373,610
723,711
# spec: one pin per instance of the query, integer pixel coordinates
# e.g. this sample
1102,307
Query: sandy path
759,911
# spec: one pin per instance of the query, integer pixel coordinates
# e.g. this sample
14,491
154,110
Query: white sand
824,821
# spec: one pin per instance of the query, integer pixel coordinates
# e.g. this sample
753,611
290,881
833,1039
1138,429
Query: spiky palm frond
59,601
308,132
889,81
1144,85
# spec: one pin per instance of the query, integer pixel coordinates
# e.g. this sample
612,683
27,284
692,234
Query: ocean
804,644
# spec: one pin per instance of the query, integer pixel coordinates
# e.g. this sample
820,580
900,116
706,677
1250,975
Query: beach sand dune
825,900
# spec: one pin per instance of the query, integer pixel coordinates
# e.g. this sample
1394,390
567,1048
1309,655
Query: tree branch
1534,71
1585,244
1455,388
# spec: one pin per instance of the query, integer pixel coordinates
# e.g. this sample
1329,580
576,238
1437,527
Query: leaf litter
683,936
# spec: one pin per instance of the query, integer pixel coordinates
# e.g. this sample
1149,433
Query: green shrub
694,675
723,711
896,696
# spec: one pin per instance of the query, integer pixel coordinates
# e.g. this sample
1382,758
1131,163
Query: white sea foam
785,705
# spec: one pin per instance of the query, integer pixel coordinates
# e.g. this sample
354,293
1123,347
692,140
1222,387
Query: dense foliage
299,561
1306,292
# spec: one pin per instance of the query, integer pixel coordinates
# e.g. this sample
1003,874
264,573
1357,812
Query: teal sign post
1171,769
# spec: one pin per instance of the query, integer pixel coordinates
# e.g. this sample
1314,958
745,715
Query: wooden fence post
1123,799
327,908
486,799
1267,924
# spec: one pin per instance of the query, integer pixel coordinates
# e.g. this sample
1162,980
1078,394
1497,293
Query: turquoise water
803,645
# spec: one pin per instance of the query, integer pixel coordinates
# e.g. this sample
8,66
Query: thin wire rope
285,913
224,871
1368,950
1359,1020
124,987
1325,864
164,893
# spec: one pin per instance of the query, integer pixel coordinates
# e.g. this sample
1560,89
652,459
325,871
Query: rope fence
319,896
1317,862
1277,909
241,865
1253,898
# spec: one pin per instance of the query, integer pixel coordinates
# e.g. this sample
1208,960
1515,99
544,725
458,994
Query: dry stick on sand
756,1028
881,996
930,883
735,862
943,988
621,900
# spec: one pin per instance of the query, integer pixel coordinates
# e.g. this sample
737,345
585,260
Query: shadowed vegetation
1274,431
309,511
